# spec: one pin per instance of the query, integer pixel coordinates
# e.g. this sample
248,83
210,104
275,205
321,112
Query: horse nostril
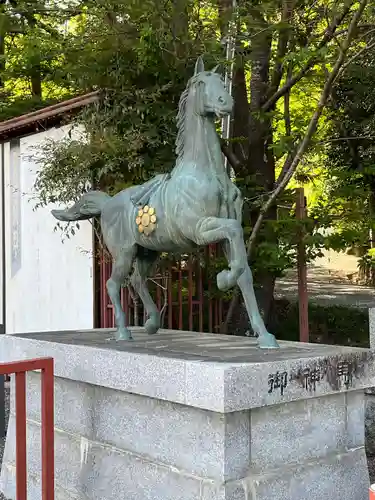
221,100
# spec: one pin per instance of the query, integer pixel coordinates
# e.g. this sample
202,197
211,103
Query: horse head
212,98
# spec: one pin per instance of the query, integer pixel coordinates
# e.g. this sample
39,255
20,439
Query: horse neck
201,144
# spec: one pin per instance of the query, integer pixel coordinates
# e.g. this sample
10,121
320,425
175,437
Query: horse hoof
123,334
267,341
152,325
225,280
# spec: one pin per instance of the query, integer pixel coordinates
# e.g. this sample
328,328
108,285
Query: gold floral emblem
146,220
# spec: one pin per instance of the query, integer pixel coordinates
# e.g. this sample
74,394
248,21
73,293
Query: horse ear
217,69
199,66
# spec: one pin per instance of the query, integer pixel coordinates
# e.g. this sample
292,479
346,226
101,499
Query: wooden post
303,301
21,446
47,432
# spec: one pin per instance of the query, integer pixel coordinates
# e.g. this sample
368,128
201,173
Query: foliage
32,39
347,196
141,53
131,134
337,325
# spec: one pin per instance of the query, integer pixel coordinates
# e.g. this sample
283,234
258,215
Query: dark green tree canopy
286,58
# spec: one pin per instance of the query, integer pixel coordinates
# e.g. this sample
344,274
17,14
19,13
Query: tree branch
300,151
33,21
288,126
71,12
354,57
282,45
288,129
329,34
359,28
52,31
311,128
347,139
230,156
285,168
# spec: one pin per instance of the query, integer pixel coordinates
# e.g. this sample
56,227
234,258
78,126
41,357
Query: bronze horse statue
196,204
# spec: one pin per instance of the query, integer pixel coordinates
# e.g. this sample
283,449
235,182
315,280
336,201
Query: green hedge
328,324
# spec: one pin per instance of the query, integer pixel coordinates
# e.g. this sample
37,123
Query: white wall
49,284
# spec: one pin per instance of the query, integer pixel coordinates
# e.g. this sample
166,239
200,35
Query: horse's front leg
212,230
245,283
238,205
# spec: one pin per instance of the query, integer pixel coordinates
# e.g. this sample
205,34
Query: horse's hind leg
143,266
121,269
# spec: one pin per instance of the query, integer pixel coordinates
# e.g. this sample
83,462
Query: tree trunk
252,135
2,59
36,76
2,47
240,125
36,82
261,163
180,27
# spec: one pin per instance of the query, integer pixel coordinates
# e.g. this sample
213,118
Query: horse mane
181,118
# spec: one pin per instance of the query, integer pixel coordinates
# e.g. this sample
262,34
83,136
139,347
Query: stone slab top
221,373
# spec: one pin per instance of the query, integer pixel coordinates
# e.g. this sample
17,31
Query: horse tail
89,205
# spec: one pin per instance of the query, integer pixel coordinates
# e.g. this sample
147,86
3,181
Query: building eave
44,118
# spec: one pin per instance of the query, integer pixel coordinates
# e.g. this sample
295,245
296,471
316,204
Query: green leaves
141,54
349,182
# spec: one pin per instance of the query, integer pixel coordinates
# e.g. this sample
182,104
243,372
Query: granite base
193,416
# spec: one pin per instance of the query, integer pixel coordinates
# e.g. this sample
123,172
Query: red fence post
21,467
48,455
303,300
47,410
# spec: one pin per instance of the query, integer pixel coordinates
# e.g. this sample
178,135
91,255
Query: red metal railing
183,289
19,368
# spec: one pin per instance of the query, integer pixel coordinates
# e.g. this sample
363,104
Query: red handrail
19,368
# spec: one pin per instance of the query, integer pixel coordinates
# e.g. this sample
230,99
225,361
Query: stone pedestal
188,416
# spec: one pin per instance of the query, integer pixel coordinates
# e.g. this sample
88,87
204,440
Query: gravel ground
326,287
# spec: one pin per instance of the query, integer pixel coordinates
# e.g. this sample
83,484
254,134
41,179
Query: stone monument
188,416
196,204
